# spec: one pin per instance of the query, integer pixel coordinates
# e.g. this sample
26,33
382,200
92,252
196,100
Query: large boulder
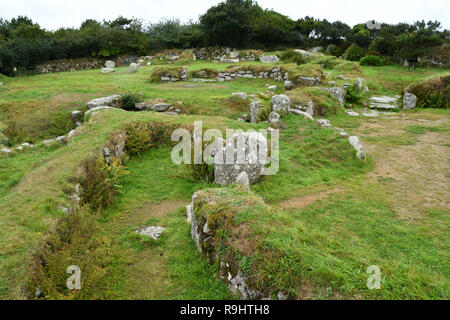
338,93
269,59
110,64
409,101
281,103
241,95
324,123
184,74
133,68
244,152
274,118
288,85
303,53
114,101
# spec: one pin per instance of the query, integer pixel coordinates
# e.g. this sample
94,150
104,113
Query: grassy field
335,215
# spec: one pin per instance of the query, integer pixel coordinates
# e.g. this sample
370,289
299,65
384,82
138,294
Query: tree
271,28
230,23
361,36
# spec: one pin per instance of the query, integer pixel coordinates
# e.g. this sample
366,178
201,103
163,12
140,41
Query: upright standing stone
242,180
281,103
244,151
310,108
110,64
255,107
409,101
133,68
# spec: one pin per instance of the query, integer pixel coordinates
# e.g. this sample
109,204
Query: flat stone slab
152,232
384,102
371,114
384,99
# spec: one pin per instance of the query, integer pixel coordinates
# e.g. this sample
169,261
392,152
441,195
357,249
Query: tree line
239,24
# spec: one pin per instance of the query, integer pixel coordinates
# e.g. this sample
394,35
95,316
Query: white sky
52,14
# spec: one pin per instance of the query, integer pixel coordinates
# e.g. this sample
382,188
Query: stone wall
225,54
276,73
81,64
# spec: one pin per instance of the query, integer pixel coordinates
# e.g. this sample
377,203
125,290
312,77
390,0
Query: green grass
326,246
391,80
424,129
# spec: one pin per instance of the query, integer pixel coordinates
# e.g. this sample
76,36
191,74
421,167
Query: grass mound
168,72
434,93
205,73
324,103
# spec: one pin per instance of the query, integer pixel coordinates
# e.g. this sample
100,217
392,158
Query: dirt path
413,169
416,166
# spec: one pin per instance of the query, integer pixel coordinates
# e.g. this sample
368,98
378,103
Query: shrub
99,182
198,172
264,113
355,53
354,94
159,72
432,94
329,63
371,61
129,101
75,240
14,135
292,56
143,136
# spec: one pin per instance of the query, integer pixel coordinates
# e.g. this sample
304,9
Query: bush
371,61
143,136
14,135
355,53
432,94
264,113
159,72
129,101
354,94
329,63
99,182
292,56
199,172
75,240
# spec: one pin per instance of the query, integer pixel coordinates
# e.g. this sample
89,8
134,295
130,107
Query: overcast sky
52,14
